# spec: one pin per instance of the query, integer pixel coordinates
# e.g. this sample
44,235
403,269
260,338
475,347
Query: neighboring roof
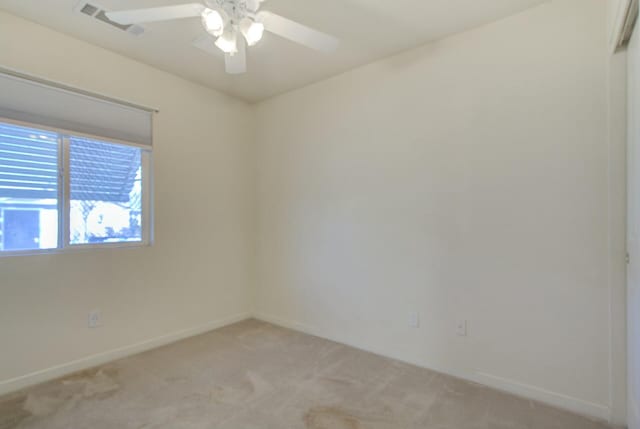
102,171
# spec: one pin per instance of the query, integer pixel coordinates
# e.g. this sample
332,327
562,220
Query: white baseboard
305,329
23,381
600,412
559,400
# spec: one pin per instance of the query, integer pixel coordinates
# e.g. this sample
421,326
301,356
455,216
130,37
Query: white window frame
64,194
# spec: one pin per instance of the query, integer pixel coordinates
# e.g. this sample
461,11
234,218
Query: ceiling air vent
89,9
94,11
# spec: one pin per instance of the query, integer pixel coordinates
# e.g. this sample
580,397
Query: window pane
28,188
106,192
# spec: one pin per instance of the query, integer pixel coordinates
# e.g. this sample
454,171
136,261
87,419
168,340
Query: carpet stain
12,413
62,394
330,418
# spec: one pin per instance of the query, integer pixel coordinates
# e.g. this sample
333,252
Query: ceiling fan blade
237,63
165,13
234,64
298,33
207,43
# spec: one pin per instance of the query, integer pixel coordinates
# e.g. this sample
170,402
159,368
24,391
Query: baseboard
600,412
21,382
305,329
576,405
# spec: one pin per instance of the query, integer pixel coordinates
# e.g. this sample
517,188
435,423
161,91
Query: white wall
467,179
198,273
633,292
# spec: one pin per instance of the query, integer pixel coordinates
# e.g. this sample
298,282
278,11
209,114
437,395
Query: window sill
78,248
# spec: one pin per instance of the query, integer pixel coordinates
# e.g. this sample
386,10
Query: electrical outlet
414,320
95,319
461,328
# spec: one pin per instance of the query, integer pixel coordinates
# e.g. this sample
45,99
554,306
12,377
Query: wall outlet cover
95,319
414,320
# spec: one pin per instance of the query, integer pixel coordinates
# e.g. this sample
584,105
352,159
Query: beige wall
617,176
198,272
467,179
633,292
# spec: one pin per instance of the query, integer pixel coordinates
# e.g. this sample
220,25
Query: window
74,167
61,190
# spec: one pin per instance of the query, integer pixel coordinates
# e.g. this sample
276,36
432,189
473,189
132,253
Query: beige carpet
254,375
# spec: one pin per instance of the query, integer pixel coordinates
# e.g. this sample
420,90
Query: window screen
106,192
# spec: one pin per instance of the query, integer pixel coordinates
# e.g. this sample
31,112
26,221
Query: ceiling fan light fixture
230,25
228,41
213,22
251,30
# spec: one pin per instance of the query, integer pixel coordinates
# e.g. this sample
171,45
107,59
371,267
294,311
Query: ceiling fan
230,26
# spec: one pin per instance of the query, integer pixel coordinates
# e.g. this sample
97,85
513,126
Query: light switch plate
461,328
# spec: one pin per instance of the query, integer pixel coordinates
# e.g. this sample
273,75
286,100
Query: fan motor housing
236,10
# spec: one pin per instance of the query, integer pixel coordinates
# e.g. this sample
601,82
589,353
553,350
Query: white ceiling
369,30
